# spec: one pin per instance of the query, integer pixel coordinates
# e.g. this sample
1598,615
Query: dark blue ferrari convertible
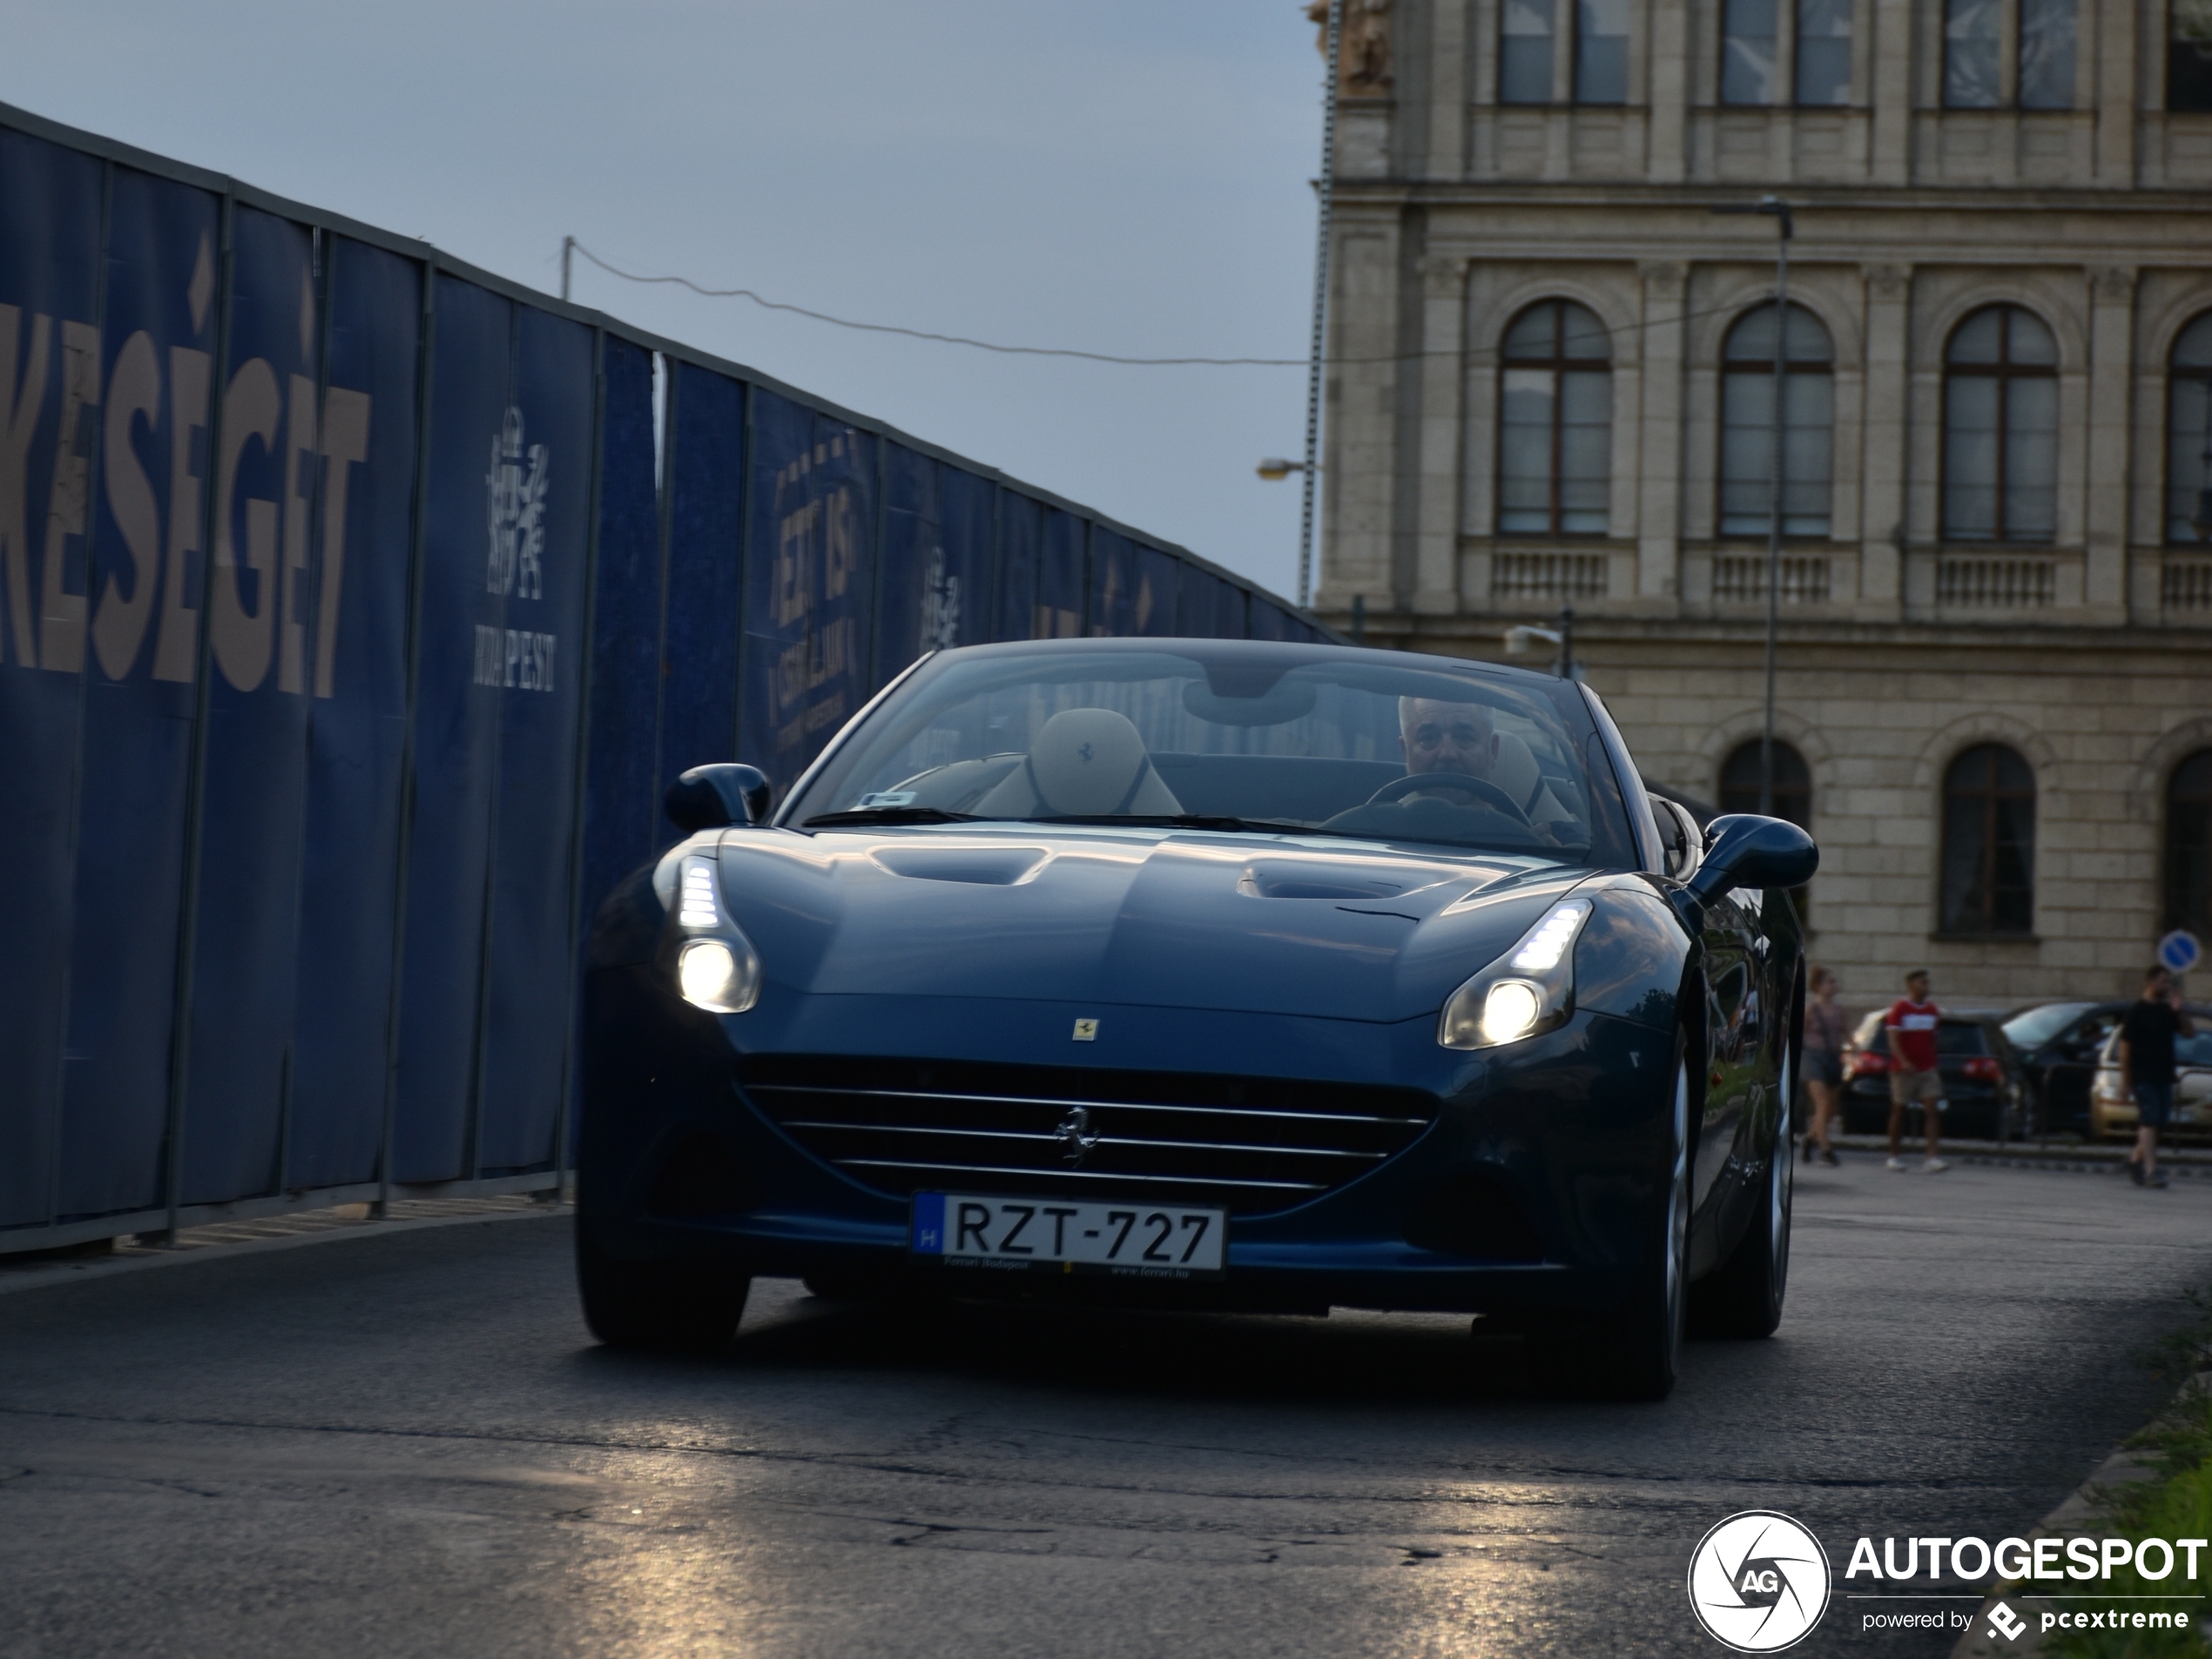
1206,974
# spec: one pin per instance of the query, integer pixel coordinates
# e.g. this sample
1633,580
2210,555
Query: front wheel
1743,1297
1636,1352
673,1307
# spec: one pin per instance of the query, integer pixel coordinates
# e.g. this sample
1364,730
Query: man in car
2147,1034
1911,1024
1462,738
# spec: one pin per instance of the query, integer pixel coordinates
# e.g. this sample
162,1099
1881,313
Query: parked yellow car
2112,1115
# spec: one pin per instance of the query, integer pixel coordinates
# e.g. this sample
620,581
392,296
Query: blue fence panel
156,331
1113,583
1020,527
528,967
622,806
253,763
1267,621
1152,606
938,552
810,580
1062,575
461,669
705,439
357,669
1208,607
49,364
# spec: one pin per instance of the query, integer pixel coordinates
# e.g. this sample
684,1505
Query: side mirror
1743,850
710,797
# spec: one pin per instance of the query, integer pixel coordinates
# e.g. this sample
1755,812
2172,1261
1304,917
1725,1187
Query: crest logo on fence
515,510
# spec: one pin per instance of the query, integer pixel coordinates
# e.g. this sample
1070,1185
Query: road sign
2179,951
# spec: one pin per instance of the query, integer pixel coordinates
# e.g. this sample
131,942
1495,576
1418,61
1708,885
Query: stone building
1552,384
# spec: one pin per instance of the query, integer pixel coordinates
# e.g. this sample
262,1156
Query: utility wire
1602,332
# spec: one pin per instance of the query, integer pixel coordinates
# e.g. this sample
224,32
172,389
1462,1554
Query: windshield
2032,1027
1233,735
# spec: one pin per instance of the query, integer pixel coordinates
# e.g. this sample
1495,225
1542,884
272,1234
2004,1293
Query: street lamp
1519,639
1776,208
1275,468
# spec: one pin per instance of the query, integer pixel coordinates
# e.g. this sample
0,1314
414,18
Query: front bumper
1571,1129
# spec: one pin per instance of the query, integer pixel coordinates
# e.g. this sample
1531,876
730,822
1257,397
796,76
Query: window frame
1567,52
2004,371
1557,365
1825,366
2011,31
2200,375
1789,63
2171,900
1989,798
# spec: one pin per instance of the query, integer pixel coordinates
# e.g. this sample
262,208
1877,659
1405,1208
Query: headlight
717,967
1529,989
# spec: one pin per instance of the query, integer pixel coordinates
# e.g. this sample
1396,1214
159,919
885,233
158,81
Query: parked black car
1981,1079
2058,1044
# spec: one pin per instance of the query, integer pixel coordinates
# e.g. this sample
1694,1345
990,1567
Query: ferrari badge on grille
1086,1031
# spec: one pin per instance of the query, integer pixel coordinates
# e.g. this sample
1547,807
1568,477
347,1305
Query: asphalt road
407,1445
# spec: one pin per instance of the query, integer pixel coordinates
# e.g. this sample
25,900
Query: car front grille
1250,1145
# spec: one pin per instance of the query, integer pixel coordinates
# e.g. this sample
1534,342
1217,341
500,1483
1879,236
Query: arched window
1747,424
1989,842
2001,429
2188,846
2188,446
1739,789
1555,425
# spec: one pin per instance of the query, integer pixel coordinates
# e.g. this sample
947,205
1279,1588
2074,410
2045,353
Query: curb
2122,1468
220,1242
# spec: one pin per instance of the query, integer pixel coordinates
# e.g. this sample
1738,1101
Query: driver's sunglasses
1465,734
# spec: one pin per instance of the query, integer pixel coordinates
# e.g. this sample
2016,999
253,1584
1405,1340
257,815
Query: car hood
1259,924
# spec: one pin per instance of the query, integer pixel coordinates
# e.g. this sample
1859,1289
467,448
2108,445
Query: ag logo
1758,1582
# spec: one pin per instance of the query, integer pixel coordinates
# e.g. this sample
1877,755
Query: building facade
1552,381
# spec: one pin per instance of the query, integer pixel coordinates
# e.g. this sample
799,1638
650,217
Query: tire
1743,1296
667,1307
1636,1351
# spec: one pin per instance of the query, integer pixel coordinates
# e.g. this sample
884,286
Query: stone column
1451,61
2112,372
1882,523
2111,24
1893,45
1359,416
1669,48
1658,525
1439,433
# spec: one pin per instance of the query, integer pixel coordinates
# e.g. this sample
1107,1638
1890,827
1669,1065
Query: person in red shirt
1910,1023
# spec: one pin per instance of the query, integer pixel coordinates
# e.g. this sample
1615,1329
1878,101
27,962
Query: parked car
2112,1116
1163,972
2061,1045
1981,1079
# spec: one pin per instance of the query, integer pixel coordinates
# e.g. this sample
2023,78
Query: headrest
1088,762
1516,771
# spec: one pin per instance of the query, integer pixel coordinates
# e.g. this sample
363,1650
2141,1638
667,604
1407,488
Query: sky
1129,178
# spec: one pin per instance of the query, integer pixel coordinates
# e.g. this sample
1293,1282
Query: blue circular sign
2179,951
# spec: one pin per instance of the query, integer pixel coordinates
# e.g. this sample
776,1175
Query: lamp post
1320,308
1775,208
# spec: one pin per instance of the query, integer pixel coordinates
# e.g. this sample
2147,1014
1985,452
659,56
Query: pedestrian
2147,1034
1910,1023
1822,1061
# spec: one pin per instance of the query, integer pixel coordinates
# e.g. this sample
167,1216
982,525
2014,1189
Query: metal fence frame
162,1220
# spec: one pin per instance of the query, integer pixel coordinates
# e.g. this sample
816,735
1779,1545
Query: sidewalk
2108,1157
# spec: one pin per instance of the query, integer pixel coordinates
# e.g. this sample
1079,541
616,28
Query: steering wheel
1457,782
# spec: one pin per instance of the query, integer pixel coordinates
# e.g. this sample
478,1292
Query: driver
1444,736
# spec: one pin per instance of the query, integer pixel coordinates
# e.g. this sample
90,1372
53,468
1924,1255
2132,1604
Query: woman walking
1823,1052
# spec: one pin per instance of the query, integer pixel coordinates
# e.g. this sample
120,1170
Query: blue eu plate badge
928,1236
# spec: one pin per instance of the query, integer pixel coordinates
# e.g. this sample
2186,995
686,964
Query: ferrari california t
1202,974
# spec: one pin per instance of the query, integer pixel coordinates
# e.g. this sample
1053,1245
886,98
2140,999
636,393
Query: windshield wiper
1184,820
889,815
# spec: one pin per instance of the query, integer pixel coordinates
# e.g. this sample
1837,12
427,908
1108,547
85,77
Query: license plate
1126,1240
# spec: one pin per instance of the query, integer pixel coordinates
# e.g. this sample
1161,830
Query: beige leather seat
1085,763
1516,771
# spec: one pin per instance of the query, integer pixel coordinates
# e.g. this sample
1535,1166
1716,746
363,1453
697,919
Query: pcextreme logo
1758,1582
